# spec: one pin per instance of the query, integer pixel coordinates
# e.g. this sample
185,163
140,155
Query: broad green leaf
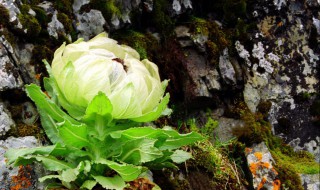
51,186
177,140
48,86
98,116
48,106
139,151
49,126
180,156
71,174
13,154
44,178
89,184
115,182
73,135
154,114
127,171
99,105
49,162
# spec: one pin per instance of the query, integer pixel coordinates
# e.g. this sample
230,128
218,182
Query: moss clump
145,44
8,36
161,19
218,38
31,24
108,8
64,6
66,21
217,164
24,8
5,16
41,16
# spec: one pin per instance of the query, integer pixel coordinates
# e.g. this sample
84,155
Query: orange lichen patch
265,164
23,179
263,181
248,150
255,166
276,184
258,155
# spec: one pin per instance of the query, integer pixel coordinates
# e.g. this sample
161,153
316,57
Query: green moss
218,38
24,8
108,8
8,36
31,24
67,23
5,15
161,19
216,163
64,6
39,53
144,44
41,16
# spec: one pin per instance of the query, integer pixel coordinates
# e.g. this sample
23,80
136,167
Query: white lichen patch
243,53
311,81
291,101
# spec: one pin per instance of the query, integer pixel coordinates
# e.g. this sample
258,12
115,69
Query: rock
260,164
148,5
9,74
11,177
226,125
47,7
251,97
310,182
226,69
180,6
205,79
90,24
76,6
14,11
312,146
29,114
182,31
6,123
55,27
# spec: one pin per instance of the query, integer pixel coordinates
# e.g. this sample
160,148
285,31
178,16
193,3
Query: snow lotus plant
97,94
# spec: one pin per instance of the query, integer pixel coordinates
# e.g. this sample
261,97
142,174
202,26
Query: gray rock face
6,172
281,67
9,74
12,6
226,69
310,182
224,131
205,79
55,26
90,24
5,120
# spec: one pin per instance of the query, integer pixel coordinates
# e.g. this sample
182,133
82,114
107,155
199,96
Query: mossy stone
31,24
5,16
